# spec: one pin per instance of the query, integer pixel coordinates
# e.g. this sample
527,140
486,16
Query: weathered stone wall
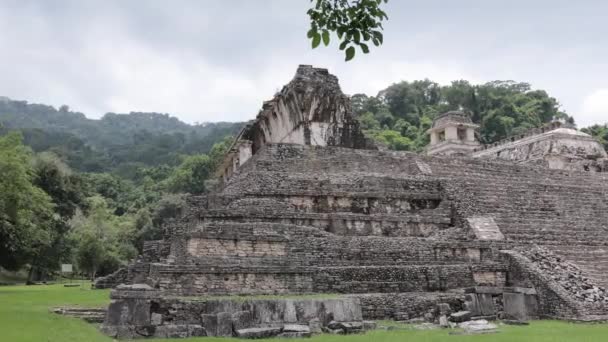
222,259
404,306
138,311
555,148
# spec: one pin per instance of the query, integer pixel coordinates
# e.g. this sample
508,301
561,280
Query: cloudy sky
210,60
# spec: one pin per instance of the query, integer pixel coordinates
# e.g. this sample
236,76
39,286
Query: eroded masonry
308,205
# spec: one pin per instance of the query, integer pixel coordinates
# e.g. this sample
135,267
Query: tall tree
65,190
25,209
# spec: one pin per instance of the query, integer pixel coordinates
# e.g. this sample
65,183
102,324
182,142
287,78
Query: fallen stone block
478,326
258,332
297,328
460,316
347,327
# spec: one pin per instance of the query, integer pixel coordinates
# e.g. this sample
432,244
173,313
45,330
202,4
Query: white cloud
211,61
370,78
594,109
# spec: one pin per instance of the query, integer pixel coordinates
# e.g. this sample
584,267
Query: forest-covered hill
116,142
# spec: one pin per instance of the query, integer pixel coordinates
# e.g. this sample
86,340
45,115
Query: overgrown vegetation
400,115
89,192
600,132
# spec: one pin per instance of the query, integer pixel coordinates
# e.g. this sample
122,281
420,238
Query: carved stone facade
399,231
310,110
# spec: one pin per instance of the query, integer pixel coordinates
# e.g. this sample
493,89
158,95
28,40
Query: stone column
245,152
451,133
434,137
470,134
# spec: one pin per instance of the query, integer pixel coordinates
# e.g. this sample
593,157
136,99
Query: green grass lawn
24,316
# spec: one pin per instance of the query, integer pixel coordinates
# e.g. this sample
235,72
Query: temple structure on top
556,145
452,133
309,110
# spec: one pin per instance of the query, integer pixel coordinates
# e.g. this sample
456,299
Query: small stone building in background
452,133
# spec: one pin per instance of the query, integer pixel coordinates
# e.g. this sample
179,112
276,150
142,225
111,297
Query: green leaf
378,36
316,40
325,37
343,44
357,36
311,33
376,42
350,53
364,48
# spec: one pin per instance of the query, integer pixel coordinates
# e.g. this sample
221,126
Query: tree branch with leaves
355,22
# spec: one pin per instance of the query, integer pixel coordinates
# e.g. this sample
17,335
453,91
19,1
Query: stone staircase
564,211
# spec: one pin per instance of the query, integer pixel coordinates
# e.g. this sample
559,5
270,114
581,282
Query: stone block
258,332
242,320
346,327
210,324
478,326
520,306
156,319
224,324
172,331
486,304
485,228
471,304
195,330
315,326
296,328
443,321
460,316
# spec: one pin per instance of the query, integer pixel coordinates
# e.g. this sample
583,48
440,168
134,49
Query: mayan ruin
306,205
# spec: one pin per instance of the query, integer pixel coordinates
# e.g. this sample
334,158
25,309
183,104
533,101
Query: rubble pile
566,274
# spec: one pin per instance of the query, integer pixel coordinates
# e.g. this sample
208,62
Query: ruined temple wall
259,244
190,281
530,204
309,110
564,149
265,259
